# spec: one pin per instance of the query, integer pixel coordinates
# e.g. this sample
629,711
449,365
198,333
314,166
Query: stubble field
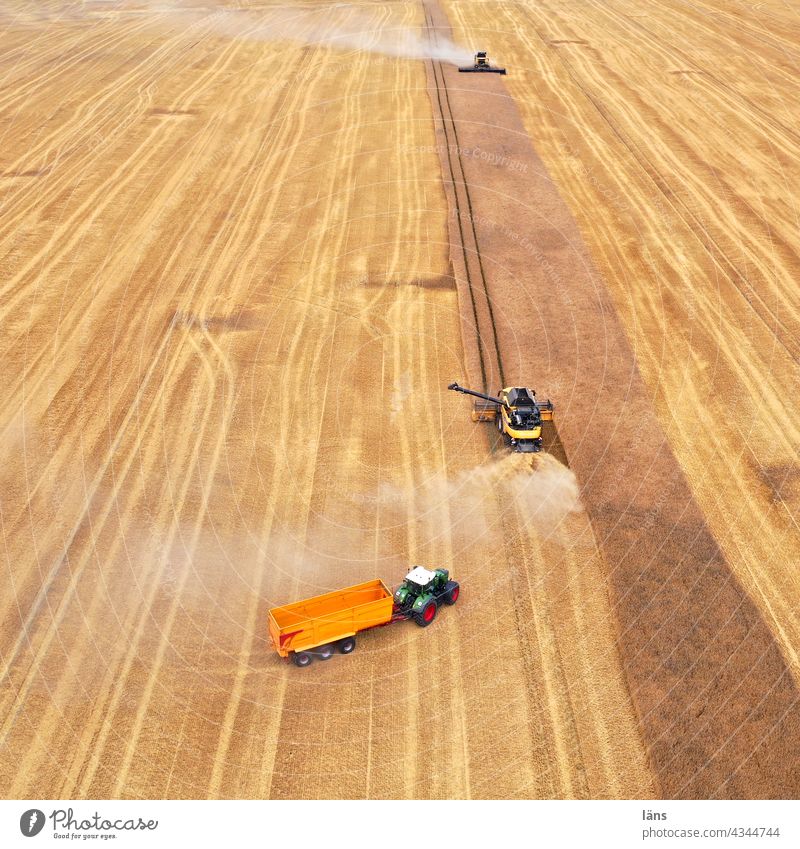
233,295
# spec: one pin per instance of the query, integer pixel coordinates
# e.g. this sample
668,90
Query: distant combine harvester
482,66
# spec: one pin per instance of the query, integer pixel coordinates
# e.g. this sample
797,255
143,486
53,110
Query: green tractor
420,595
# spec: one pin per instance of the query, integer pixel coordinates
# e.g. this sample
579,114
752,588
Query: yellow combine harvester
516,412
481,65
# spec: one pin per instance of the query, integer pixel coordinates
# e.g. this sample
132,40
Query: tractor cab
419,582
420,595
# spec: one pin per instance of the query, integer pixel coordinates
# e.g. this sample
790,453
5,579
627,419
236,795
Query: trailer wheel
325,652
347,645
302,658
427,615
453,593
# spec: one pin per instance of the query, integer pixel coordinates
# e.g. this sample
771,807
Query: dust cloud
353,30
349,30
543,492
327,555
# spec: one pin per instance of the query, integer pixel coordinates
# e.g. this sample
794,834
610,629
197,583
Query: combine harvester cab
481,66
319,626
515,411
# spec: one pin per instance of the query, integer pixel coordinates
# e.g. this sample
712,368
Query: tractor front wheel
426,615
302,658
453,592
347,645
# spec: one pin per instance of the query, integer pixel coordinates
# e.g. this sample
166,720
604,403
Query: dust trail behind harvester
338,26
542,491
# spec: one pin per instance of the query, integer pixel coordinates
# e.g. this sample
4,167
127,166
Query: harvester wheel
325,652
499,420
302,658
427,615
452,593
347,645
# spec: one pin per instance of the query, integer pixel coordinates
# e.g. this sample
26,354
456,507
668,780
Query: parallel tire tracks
486,343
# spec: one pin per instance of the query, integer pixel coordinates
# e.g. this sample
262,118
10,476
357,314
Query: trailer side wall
329,617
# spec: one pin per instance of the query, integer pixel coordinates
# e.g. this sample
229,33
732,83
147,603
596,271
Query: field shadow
444,282
235,322
781,480
31,172
166,113
552,444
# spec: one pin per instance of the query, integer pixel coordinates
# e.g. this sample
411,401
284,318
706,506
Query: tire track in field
90,297
85,128
692,219
759,378
70,245
304,351
695,220
783,46
221,259
753,733
480,334
312,359
62,60
555,718
235,710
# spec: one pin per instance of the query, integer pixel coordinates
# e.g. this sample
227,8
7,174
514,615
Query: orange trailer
319,625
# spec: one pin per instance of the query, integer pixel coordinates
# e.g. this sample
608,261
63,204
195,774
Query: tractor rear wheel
325,652
453,591
301,658
426,615
347,645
